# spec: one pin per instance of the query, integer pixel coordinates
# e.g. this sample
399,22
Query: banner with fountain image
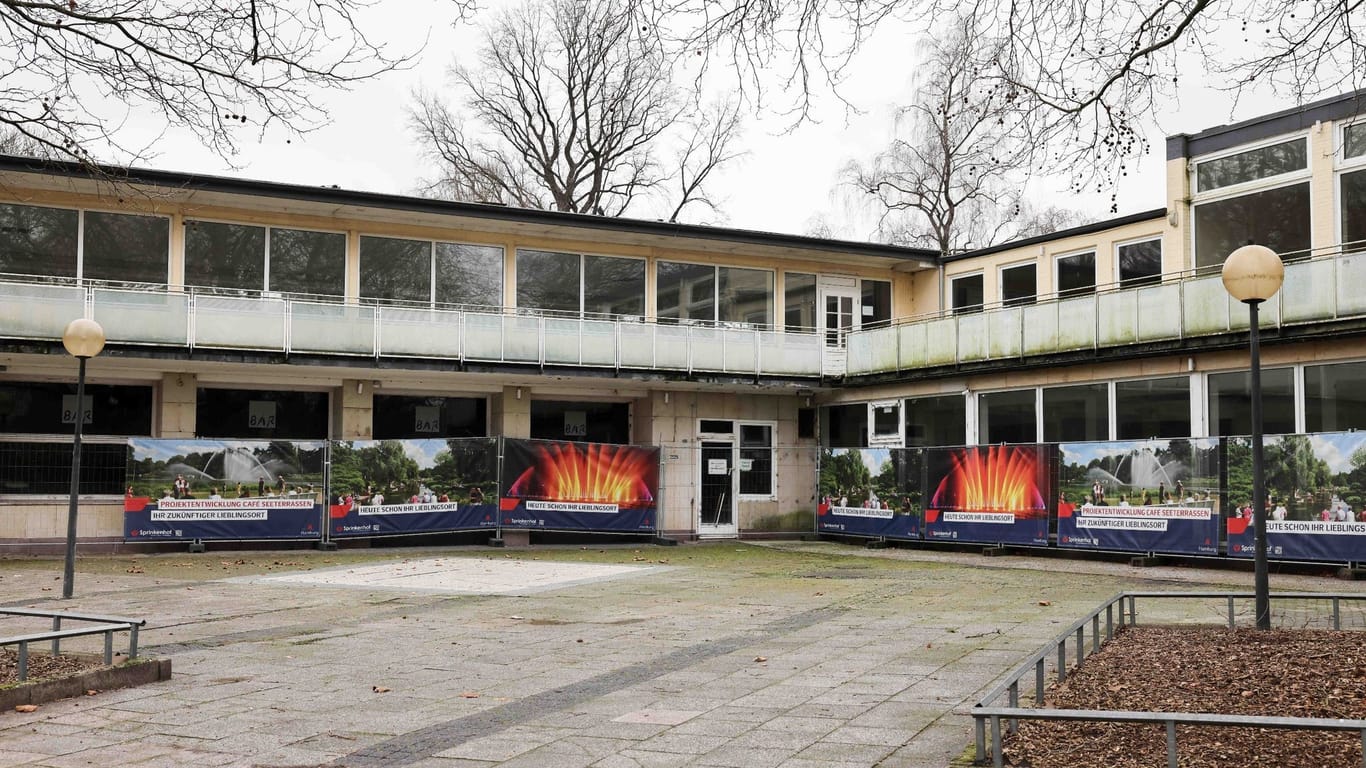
183,490
1140,496
393,487
579,486
871,492
1316,496
996,494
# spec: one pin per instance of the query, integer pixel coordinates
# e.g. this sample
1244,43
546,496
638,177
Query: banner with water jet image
395,487
870,492
186,490
579,486
1140,496
997,494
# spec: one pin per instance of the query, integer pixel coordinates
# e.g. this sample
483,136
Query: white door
716,517
839,301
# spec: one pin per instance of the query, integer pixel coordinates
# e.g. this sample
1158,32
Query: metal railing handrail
102,625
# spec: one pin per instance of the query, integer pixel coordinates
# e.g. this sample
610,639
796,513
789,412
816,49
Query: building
247,310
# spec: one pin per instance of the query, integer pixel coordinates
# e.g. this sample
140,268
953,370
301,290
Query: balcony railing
1181,306
270,323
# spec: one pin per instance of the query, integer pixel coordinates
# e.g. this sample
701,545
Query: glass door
838,315
717,515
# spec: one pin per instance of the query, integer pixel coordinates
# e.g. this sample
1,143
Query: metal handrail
103,625
985,713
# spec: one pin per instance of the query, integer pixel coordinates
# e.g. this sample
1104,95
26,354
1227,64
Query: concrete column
510,412
354,411
178,399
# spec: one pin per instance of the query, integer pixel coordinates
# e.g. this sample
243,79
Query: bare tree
74,70
571,108
1032,221
952,181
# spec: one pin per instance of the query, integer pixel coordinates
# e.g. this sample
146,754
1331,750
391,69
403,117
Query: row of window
1311,398
1140,263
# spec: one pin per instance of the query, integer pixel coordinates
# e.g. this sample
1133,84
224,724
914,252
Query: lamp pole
83,339
1252,274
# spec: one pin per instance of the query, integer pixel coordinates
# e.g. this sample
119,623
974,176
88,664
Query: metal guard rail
985,713
104,625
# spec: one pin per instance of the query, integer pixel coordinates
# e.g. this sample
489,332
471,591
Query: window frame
772,494
968,308
715,293
81,278
271,292
581,255
1139,282
1278,181
1073,293
886,439
1001,283
1344,166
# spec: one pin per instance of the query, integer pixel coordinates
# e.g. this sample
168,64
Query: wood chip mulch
1280,672
42,666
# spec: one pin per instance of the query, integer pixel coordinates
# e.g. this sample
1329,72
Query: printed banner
579,486
1140,496
870,492
391,487
223,489
1316,496
994,494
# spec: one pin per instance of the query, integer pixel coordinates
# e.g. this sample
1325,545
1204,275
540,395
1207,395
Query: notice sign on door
261,414
716,466
746,465
69,409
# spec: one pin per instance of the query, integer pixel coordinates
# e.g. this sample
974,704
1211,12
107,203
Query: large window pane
967,293
37,241
844,426
613,286
744,296
305,262
45,468
1019,284
469,274
231,256
1076,413
50,409
1277,218
396,270
685,291
1334,397
1354,140
1263,163
126,248
1140,263
261,413
936,420
1006,417
876,306
799,302
548,281
1353,201
756,459
399,417
1153,408
1230,402
1076,274
591,422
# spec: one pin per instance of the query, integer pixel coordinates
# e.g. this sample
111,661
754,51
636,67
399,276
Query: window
1007,417
1076,274
1334,397
1076,413
590,422
1153,408
1140,263
548,281
1230,402
45,467
886,420
49,409
1019,284
571,283
126,248
936,420
225,256
756,459
38,241
471,275
844,426
967,293
312,263
261,413
1252,165
724,294
877,303
398,417
1354,140
395,270
799,302
613,286
1277,218
1353,202
744,296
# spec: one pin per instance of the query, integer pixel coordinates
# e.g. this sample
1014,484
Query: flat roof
1223,137
1084,229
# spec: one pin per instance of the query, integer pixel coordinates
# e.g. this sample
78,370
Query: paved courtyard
791,655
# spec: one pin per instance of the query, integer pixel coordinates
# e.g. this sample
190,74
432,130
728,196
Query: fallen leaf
26,708
515,618
469,695
1045,603
91,692
379,689
761,659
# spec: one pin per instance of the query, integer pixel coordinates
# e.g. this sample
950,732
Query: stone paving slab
493,661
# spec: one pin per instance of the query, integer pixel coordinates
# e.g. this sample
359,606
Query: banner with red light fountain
989,494
579,486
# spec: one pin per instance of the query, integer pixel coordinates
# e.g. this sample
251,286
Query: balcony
280,324
1323,289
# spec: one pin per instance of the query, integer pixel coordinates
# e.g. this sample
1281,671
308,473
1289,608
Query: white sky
786,180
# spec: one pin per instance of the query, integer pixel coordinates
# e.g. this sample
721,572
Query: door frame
828,285
718,531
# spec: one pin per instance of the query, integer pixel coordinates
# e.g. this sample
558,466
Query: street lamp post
83,339
1252,274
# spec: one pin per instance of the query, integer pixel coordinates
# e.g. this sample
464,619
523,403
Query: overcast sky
782,185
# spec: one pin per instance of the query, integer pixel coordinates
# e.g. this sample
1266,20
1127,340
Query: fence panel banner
392,487
1316,496
870,492
1140,496
223,489
989,494
579,486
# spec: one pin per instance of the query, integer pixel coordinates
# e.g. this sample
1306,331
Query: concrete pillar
510,412
179,392
354,411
